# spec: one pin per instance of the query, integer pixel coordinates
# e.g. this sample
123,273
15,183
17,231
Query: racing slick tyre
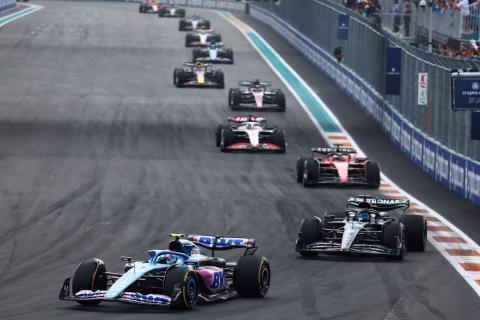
415,232
182,24
229,55
252,277
301,167
234,98
217,38
227,139
392,233
309,233
220,79
90,275
178,78
280,100
206,24
278,138
188,40
372,174
180,13
310,173
186,280
196,53
141,9
218,134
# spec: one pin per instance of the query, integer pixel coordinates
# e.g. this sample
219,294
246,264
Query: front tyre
252,277
372,174
301,167
309,233
415,232
394,240
90,275
187,282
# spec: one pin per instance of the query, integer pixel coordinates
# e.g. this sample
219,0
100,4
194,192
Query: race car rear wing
193,65
338,149
223,243
383,204
241,119
251,83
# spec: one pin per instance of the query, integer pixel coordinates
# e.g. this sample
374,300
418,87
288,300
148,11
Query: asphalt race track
101,156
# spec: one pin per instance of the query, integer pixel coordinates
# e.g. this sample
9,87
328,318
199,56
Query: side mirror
127,259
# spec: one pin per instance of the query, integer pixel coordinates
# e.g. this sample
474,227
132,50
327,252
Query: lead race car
201,37
198,74
249,133
256,94
171,11
193,23
365,227
176,278
214,52
149,6
337,165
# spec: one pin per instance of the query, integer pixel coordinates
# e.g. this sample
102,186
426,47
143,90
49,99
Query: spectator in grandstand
464,7
407,12
397,12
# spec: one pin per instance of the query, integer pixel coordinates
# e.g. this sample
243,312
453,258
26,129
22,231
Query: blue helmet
362,216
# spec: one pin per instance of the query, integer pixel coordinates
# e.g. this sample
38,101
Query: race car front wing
125,297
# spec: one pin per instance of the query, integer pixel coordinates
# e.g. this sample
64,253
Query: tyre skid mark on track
443,235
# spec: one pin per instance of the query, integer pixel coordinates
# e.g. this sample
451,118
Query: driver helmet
256,82
167,259
362,216
199,64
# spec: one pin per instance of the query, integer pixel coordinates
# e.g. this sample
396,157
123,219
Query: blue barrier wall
7,4
457,173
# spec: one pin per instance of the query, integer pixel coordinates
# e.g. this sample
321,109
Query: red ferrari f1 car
337,166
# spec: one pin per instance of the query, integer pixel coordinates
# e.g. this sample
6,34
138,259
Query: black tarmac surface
101,156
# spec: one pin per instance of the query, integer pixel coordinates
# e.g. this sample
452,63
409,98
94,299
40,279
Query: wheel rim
190,290
264,279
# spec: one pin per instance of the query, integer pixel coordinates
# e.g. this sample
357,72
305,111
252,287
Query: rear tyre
188,39
90,275
301,167
309,233
178,78
220,79
227,139
182,24
372,174
217,37
278,138
218,134
196,53
181,13
229,55
140,9
234,98
310,173
415,232
207,24
252,277
392,233
187,282
280,100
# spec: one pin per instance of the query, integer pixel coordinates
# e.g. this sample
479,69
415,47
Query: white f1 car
213,53
171,11
249,133
256,94
201,38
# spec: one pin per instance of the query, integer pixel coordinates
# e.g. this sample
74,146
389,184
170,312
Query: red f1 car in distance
149,6
337,165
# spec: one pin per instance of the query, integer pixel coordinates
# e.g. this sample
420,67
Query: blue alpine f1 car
176,278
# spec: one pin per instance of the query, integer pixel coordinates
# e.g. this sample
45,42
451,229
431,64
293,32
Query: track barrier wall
7,4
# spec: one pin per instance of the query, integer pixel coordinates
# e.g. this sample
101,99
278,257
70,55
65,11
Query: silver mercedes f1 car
368,226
